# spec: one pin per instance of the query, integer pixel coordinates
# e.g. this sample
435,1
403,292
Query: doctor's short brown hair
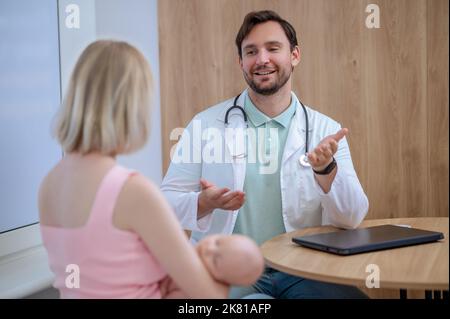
256,17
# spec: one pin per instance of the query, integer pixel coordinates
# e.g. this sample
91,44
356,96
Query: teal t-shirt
261,215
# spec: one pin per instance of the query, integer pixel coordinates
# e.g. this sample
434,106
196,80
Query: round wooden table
423,267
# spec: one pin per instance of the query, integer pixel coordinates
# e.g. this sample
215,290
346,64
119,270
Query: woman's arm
142,208
169,289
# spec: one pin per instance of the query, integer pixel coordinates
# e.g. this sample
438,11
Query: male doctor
248,175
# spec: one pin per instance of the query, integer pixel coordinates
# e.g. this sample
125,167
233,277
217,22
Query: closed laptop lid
353,241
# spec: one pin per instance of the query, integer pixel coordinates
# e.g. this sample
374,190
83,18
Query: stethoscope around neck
303,160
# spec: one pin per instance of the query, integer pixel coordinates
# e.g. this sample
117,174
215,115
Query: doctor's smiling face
268,58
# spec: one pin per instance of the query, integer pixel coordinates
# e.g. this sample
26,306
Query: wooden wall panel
329,76
197,67
389,86
437,102
394,86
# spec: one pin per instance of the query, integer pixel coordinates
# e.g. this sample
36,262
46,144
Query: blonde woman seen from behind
110,222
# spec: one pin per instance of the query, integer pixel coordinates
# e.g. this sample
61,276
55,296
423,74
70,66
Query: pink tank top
112,263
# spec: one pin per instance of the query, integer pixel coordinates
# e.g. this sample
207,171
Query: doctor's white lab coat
304,204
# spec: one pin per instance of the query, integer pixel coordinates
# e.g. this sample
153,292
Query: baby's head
233,259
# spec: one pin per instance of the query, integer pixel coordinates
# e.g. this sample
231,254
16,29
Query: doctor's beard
274,88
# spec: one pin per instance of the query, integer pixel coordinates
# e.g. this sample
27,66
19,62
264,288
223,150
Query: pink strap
106,198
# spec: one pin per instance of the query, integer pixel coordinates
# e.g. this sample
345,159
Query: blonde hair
107,105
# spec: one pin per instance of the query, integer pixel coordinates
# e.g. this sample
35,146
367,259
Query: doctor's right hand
212,197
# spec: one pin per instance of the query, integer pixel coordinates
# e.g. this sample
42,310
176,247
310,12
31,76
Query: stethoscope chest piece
303,160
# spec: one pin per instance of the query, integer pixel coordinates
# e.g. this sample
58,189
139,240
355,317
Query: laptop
355,241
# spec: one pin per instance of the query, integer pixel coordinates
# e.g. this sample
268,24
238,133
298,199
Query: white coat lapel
297,133
234,137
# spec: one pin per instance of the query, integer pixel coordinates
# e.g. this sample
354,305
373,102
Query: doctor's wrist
202,208
327,169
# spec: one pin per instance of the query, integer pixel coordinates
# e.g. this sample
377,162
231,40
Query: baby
232,259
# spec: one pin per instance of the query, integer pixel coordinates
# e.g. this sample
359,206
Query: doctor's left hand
212,197
322,155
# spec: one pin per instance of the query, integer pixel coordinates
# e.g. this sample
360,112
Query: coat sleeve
181,185
346,204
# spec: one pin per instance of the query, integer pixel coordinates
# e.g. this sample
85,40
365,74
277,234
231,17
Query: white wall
136,22
73,40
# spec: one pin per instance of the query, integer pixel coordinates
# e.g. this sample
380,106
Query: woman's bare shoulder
139,199
140,187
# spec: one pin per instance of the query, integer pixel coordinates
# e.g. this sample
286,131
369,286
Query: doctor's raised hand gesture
322,160
212,197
